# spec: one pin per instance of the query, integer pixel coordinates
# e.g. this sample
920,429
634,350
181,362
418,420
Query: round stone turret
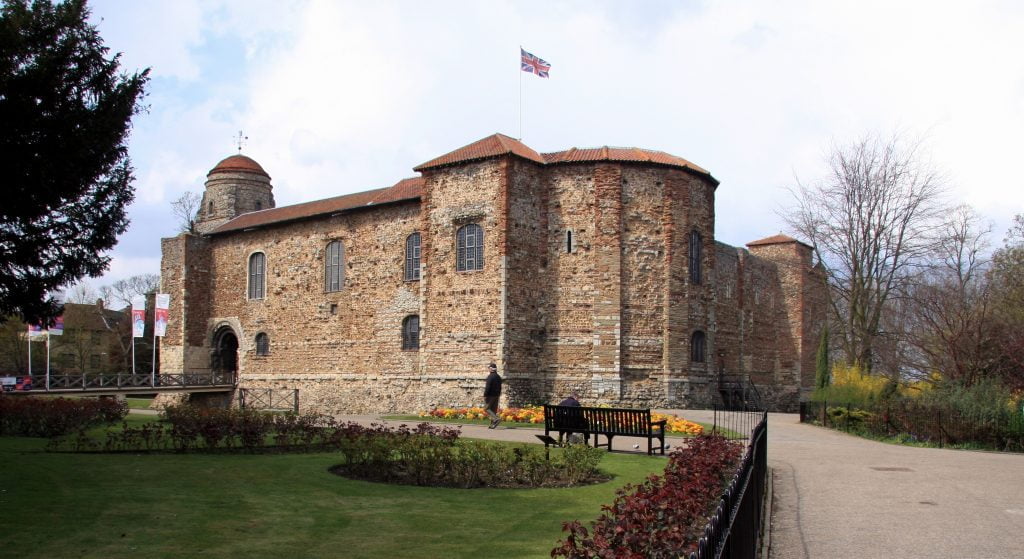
235,186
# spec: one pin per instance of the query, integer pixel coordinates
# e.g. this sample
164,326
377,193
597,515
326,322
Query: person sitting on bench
573,401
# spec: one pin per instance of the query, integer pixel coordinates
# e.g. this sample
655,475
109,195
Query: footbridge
109,384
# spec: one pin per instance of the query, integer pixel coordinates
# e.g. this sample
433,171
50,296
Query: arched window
696,249
262,344
411,332
259,205
334,266
697,347
412,257
470,239
257,275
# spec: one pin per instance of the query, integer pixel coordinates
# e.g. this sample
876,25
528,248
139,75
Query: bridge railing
116,381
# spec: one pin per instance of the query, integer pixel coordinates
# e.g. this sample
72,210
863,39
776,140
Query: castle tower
235,186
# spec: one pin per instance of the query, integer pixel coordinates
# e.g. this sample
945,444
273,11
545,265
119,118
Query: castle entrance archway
224,356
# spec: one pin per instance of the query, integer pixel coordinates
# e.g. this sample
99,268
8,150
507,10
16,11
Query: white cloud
339,97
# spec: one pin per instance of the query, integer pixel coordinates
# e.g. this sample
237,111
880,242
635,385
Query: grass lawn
168,505
138,403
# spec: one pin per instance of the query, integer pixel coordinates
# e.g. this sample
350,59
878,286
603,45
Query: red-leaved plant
663,516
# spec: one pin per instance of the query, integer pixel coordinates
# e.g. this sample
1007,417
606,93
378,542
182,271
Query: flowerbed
30,416
665,515
535,414
189,428
437,462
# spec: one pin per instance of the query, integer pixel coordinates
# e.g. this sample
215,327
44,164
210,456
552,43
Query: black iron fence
912,421
735,529
735,424
269,399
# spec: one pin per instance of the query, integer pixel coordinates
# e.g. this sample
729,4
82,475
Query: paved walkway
837,496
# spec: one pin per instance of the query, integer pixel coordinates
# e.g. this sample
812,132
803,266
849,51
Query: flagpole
47,359
520,93
152,376
29,337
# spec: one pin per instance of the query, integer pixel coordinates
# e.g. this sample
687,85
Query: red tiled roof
237,163
577,155
491,146
405,189
779,239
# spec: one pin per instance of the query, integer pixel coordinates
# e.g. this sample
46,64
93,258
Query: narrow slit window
257,275
696,250
411,332
334,266
412,257
698,343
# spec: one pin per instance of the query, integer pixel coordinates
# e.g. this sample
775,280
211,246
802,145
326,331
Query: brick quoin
610,316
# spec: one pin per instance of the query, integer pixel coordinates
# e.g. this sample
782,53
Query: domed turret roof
238,163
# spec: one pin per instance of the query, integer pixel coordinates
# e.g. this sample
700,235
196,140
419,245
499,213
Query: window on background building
412,257
470,245
334,266
257,275
262,344
411,332
698,343
696,248
94,362
570,245
95,338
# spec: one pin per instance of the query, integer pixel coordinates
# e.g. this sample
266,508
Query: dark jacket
493,386
571,402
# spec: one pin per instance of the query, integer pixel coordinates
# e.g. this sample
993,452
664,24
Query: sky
337,97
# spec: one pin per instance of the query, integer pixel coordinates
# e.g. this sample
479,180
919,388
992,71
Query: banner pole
47,360
152,376
29,337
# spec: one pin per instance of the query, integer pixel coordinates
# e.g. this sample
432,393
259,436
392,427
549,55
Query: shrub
665,515
433,460
31,416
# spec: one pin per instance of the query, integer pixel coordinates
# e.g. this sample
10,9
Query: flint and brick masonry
587,270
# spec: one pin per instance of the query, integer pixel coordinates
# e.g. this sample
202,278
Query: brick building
594,270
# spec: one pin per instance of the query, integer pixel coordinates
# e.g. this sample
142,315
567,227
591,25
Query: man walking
492,393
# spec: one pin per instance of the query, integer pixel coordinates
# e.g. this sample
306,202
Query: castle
587,270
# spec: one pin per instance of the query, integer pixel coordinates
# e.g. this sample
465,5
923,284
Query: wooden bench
609,422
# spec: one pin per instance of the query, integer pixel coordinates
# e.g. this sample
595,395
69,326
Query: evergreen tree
66,113
823,374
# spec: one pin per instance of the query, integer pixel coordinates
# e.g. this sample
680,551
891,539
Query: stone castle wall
609,313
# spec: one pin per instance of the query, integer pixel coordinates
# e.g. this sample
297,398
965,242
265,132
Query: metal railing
735,529
127,381
270,399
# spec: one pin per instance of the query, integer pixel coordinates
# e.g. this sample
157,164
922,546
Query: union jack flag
534,64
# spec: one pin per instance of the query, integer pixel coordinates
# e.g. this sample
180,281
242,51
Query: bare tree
186,208
81,293
947,315
871,221
121,292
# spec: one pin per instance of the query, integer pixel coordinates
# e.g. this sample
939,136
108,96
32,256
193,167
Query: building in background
593,271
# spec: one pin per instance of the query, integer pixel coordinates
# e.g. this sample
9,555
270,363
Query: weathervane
241,140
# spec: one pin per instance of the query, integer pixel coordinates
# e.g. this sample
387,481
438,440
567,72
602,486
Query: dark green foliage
432,460
30,416
66,111
983,415
823,373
